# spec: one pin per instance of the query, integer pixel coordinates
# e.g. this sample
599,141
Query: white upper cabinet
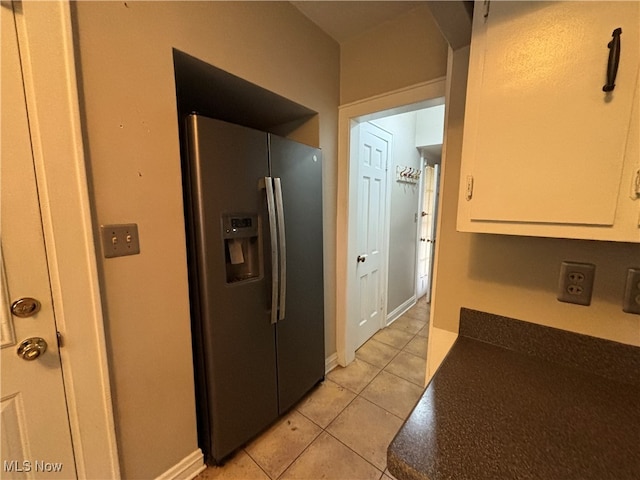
546,151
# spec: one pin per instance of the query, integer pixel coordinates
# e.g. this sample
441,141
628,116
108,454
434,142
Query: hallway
342,428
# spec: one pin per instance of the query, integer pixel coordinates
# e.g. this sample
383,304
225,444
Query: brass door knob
32,348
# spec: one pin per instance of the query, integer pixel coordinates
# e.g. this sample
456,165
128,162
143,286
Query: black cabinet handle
614,60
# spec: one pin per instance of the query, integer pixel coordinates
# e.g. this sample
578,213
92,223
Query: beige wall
399,53
452,249
517,276
128,96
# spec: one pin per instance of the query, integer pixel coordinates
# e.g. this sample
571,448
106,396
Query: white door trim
400,100
47,57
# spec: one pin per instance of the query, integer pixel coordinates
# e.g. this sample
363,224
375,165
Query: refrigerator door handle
268,186
283,248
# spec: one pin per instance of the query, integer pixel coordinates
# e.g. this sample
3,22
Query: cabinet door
543,143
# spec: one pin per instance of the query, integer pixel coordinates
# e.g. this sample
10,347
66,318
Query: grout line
397,330
255,461
382,343
408,381
300,454
374,466
317,436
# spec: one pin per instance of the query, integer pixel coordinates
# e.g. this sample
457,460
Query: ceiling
343,20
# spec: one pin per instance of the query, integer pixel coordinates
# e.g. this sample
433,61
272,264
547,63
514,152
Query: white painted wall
430,126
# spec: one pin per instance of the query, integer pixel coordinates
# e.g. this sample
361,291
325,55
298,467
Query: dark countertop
512,409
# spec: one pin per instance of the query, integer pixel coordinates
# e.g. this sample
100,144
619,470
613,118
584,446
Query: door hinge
487,6
469,193
60,340
635,186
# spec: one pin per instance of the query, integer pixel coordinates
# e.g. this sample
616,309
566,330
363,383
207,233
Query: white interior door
35,435
431,226
427,231
425,240
373,155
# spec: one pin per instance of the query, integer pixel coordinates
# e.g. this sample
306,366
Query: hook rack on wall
407,174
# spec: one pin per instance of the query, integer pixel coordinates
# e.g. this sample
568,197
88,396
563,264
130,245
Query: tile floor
342,428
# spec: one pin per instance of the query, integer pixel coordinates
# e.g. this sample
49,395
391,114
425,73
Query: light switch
120,240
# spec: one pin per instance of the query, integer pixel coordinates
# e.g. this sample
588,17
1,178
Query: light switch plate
631,302
120,240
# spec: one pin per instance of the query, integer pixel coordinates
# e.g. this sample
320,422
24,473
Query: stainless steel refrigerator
254,224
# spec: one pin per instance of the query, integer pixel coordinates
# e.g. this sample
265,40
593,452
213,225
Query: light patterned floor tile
424,332
408,324
409,367
393,337
325,402
376,353
394,394
297,448
367,429
327,458
278,447
417,346
240,467
418,313
354,376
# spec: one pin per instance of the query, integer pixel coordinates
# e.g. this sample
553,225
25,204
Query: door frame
430,93
47,56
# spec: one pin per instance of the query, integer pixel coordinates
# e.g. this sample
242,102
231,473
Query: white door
427,172
427,231
36,440
373,155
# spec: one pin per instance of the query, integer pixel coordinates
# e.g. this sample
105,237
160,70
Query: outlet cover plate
120,240
631,302
575,284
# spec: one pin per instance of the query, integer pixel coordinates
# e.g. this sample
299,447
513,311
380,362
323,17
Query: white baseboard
186,469
400,310
330,363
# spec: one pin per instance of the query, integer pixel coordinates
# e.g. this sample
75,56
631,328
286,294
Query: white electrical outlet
576,282
631,302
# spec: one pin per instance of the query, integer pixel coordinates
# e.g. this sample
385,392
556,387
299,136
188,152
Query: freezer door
237,390
300,334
